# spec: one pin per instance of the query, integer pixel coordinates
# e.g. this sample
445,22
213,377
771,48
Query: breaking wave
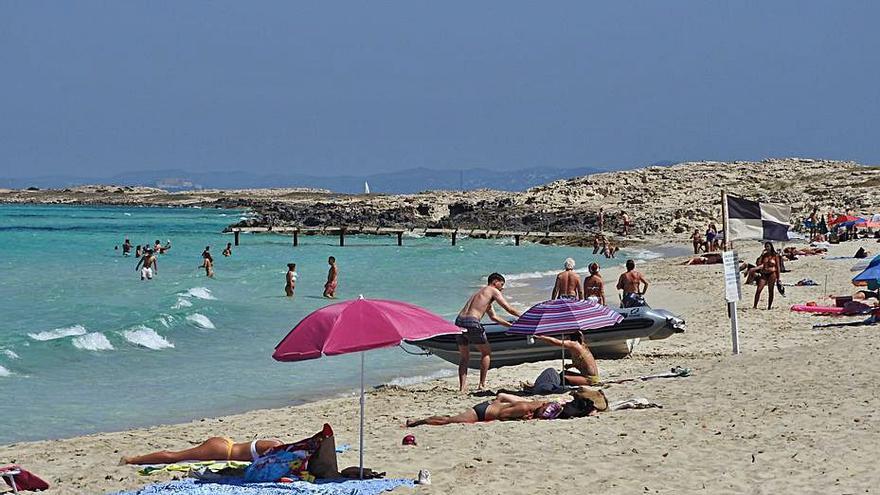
200,320
199,293
94,341
59,333
4,371
146,337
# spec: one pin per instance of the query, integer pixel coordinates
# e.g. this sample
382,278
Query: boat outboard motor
633,300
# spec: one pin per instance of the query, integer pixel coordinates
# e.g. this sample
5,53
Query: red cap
409,440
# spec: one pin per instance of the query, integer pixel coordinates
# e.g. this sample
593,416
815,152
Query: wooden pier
391,231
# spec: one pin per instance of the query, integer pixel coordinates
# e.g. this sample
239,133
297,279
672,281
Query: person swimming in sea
228,251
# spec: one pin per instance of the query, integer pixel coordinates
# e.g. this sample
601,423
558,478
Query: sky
330,88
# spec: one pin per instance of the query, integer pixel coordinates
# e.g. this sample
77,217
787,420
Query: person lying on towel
507,407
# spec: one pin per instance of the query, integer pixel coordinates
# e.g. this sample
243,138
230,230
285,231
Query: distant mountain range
400,182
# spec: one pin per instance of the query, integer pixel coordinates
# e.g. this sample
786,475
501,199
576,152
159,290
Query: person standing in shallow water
126,247
290,279
208,262
332,279
228,251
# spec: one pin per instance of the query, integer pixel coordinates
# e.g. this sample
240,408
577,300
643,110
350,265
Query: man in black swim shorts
473,333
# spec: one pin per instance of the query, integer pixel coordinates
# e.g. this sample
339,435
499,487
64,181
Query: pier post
237,233
296,238
342,237
454,235
516,239
400,238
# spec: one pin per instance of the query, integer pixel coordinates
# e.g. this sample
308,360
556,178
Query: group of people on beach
708,243
602,245
329,286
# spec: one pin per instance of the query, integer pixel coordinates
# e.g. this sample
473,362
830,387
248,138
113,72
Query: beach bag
292,460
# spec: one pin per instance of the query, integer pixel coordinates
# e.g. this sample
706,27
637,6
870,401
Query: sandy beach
794,413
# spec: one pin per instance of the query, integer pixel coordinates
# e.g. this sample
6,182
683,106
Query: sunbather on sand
212,449
505,407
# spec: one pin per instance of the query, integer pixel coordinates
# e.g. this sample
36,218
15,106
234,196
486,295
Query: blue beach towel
237,487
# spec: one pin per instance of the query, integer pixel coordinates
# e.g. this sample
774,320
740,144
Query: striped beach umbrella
565,315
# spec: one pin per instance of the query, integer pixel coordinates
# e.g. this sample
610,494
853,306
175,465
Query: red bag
24,480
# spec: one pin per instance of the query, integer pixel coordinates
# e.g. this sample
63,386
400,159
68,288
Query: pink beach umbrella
357,326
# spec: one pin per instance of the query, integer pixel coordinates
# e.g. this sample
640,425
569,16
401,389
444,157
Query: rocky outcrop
665,202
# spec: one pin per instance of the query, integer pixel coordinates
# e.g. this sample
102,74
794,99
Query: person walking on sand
207,262
468,319
148,265
290,278
594,286
332,279
568,283
228,251
630,283
581,359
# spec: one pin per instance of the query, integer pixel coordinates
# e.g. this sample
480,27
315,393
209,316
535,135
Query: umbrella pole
563,360
362,419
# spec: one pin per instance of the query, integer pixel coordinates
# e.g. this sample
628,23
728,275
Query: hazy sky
96,88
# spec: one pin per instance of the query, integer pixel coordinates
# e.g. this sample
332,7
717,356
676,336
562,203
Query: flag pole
731,305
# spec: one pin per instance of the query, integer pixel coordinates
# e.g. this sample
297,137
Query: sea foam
146,337
182,302
9,353
59,333
4,371
402,381
200,320
199,293
94,341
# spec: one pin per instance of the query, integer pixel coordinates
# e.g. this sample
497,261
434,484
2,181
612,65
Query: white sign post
733,293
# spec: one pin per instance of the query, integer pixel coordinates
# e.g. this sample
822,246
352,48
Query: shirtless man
626,222
208,262
469,320
505,407
228,251
594,286
581,359
568,283
126,247
601,220
290,279
630,283
148,265
332,279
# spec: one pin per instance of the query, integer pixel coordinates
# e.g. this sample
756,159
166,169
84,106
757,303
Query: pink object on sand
827,310
359,325
22,479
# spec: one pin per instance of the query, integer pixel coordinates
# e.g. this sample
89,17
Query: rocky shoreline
663,202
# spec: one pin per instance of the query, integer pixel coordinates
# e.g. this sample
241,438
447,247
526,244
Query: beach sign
732,283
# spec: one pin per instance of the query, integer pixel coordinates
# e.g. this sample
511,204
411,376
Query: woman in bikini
212,449
766,273
505,407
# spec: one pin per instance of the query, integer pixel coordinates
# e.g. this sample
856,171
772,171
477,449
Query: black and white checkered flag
753,220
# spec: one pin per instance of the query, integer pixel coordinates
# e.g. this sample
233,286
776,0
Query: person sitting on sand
212,449
581,359
468,319
505,407
228,251
568,283
630,283
594,286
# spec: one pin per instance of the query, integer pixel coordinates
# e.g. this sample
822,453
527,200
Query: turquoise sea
86,346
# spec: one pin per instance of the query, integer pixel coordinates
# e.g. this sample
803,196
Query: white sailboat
366,187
